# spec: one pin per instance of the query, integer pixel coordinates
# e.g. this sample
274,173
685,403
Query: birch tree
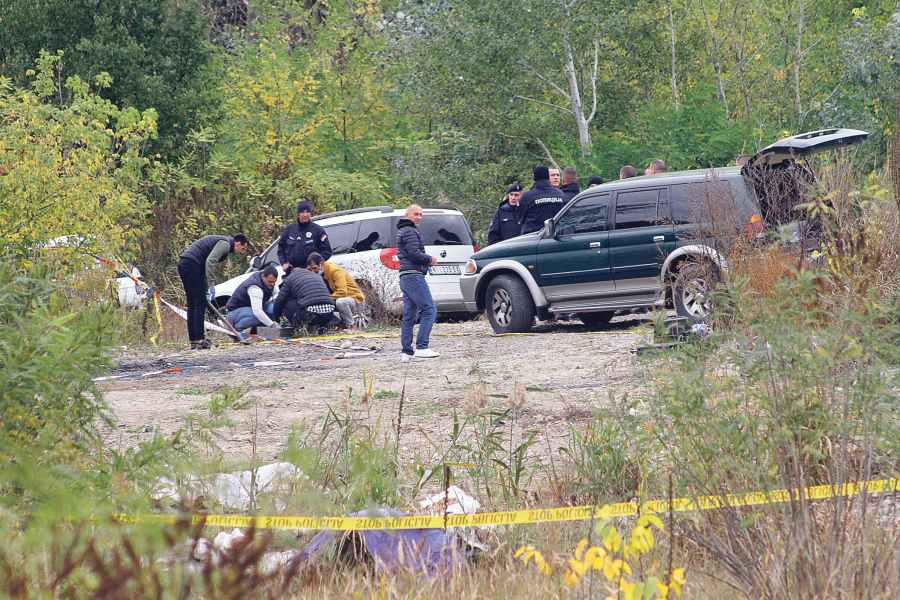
518,63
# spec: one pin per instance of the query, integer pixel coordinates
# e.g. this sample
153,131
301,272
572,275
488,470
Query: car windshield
445,230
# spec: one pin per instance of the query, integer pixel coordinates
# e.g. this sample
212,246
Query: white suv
364,242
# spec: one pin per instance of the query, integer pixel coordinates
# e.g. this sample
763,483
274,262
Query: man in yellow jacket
348,297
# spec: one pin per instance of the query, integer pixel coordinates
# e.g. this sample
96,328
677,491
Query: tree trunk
796,69
716,46
575,99
720,85
584,136
672,48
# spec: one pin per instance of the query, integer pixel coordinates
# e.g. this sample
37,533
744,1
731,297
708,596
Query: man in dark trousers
540,203
197,269
247,305
570,187
504,225
300,239
304,299
417,298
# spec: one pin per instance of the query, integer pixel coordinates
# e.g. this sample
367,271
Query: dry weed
475,400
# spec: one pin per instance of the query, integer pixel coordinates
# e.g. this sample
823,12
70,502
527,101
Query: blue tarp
413,551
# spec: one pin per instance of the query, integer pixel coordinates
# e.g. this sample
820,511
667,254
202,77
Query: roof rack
445,207
384,209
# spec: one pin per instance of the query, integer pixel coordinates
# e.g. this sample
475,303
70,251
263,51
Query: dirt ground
577,367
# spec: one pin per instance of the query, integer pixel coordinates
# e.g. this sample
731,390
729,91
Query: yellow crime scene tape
476,334
531,516
480,333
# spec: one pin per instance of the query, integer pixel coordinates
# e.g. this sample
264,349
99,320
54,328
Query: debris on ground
231,490
452,501
236,541
455,501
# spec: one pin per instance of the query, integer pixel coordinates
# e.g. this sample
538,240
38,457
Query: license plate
444,270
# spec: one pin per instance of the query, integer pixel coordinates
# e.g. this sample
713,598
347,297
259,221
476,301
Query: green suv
640,242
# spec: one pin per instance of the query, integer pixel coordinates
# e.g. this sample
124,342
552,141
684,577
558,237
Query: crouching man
246,307
348,297
304,300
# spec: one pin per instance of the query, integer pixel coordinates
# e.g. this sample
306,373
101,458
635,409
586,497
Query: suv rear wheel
691,291
510,308
593,319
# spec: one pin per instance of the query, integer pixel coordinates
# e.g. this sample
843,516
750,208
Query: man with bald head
656,167
417,298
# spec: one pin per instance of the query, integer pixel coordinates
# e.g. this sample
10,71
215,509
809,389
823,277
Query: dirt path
578,368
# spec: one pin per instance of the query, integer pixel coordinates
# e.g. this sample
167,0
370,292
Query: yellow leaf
580,548
653,520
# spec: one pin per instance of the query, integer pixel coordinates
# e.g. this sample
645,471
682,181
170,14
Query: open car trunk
780,180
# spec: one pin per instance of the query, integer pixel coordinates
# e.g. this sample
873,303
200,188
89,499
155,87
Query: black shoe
195,345
206,345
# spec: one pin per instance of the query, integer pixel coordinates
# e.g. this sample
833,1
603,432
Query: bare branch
566,110
530,135
540,76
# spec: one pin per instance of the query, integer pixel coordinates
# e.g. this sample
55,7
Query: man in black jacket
570,187
414,265
540,203
304,299
247,305
504,224
300,239
197,269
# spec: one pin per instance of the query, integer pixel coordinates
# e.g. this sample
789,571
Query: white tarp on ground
232,490
458,502
223,543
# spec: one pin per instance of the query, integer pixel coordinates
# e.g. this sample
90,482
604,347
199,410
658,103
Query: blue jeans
416,297
243,317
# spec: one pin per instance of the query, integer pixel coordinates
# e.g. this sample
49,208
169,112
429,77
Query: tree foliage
47,356
68,169
155,52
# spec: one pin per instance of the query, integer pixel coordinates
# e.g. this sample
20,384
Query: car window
589,214
373,234
696,202
636,208
663,212
445,230
270,256
342,237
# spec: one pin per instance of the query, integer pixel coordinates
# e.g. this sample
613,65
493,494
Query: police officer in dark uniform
504,225
300,239
540,203
197,269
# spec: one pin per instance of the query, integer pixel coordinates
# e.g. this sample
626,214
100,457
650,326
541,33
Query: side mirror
548,227
256,263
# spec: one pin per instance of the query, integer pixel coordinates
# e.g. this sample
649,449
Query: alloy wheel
502,307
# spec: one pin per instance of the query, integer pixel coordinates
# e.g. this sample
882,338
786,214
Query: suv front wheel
691,291
510,308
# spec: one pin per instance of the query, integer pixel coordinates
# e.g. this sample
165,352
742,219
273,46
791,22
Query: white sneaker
426,353
410,358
